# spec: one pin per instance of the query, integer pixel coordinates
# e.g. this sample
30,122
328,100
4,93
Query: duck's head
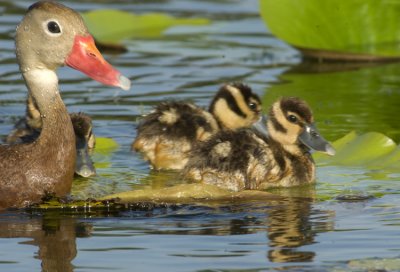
52,35
235,106
85,141
290,122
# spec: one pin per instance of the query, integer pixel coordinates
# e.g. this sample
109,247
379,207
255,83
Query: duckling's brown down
166,136
249,159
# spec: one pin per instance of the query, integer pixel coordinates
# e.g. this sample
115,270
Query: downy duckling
250,159
166,135
28,129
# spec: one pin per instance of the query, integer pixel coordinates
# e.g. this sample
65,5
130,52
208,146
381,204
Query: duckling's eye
253,106
292,118
53,27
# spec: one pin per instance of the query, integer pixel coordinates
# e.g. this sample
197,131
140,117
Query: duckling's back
253,159
246,159
166,135
227,158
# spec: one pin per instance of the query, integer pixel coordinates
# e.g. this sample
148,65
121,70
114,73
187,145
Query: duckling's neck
287,140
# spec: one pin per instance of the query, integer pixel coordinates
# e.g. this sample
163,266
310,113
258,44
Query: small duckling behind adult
250,159
166,135
28,129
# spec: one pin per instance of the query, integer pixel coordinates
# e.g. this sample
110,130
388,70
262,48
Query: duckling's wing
224,159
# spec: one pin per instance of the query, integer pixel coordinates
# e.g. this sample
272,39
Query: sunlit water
350,221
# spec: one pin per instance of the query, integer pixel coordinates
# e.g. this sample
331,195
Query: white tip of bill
124,83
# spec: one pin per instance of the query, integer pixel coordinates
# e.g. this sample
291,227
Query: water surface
350,221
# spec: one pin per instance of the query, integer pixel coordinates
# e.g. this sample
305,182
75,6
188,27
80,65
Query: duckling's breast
242,159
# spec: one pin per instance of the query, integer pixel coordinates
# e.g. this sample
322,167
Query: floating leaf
390,161
358,26
374,264
105,146
77,206
187,193
372,150
112,26
103,151
360,149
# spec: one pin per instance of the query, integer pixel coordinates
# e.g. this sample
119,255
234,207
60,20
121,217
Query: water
350,221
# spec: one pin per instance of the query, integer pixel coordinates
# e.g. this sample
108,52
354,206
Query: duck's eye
253,106
53,27
292,118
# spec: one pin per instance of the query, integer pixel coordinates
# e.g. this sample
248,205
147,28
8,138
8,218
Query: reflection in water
53,234
289,224
289,227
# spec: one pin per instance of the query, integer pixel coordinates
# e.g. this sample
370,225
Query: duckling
251,159
85,143
28,129
166,135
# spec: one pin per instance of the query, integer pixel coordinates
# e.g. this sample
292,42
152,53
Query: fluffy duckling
28,129
250,159
166,135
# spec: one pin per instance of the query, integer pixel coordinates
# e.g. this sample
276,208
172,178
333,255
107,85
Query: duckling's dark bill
311,138
261,125
83,166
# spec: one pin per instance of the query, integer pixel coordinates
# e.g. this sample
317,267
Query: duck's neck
43,87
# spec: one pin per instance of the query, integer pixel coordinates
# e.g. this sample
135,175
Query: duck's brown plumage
28,129
166,135
249,159
46,39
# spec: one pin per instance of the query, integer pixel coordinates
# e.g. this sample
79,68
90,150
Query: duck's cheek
86,58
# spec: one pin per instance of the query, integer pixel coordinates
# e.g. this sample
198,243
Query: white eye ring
52,27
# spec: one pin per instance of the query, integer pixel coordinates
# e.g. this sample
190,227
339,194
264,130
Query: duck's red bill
86,58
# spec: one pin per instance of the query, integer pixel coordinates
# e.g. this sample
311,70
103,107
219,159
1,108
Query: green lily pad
187,193
372,150
374,264
362,149
125,25
357,26
102,152
105,146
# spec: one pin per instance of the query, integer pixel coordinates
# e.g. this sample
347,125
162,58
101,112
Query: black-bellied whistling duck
49,36
166,135
250,159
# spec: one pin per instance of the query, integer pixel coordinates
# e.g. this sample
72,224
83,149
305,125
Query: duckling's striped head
291,122
235,105
83,127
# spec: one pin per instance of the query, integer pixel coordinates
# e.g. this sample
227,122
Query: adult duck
28,129
49,36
